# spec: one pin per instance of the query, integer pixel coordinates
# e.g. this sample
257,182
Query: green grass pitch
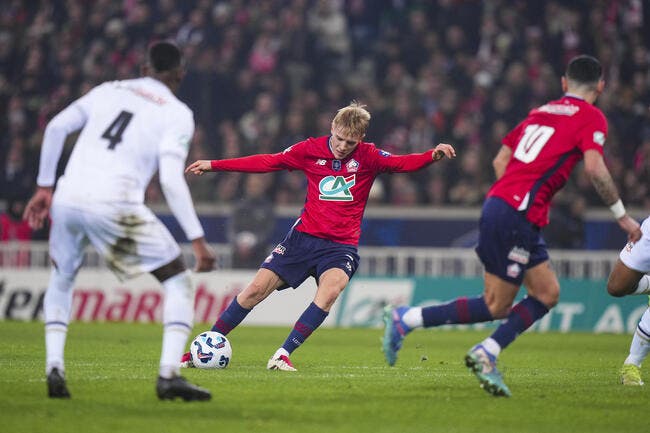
560,383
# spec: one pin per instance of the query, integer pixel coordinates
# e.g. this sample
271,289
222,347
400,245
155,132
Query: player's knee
252,295
62,281
169,270
332,293
550,300
326,296
615,288
549,296
622,280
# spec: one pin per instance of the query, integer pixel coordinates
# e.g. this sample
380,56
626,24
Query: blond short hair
352,120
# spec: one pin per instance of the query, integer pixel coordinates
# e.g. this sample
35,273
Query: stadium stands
264,74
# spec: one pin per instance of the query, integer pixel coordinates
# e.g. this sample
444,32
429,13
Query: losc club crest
352,166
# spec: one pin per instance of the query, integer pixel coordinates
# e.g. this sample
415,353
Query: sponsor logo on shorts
519,255
280,249
348,266
629,246
513,270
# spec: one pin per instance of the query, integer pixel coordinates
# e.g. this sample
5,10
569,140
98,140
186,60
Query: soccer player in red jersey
534,162
340,169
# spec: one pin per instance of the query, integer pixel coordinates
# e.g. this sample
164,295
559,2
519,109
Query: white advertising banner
100,296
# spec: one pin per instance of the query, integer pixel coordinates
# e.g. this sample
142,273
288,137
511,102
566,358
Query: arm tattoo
605,187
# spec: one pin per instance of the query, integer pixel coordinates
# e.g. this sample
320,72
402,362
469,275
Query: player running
534,162
630,277
340,170
131,129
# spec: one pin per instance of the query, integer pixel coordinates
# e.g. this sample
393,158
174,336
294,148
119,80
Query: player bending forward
131,129
340,170
630,277
534,162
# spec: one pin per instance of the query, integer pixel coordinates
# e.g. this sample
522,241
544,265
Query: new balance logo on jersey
336,188
321,162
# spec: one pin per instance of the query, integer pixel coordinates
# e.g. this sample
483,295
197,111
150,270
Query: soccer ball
211,350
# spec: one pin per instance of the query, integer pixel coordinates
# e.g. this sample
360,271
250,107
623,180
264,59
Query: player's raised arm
413,161
199,167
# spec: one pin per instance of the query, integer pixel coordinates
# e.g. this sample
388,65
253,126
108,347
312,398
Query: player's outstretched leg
630,374
56,387
484,365
394,332
169,389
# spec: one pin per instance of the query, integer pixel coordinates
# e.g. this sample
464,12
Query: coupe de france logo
336,188
599,137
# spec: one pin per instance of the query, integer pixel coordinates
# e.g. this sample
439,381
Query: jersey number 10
534,139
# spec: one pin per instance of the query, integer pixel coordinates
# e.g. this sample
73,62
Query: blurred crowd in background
264,74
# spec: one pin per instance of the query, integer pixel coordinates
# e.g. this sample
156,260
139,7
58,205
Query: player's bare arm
600,177
500,161
199,167
604,185
442,150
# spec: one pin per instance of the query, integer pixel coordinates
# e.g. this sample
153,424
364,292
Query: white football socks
413,317
178,316
55,336
640,342
57,305
491,346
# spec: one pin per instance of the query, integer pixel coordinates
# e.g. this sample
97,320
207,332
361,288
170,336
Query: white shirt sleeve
173,152
71,119
177,195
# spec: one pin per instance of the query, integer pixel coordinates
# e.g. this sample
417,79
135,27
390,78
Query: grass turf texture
560,383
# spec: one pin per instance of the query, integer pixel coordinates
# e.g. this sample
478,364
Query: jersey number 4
114,132
534,139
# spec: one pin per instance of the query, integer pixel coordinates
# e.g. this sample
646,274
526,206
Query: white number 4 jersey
127,126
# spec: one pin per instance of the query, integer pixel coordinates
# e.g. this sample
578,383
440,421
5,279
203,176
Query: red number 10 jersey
546,146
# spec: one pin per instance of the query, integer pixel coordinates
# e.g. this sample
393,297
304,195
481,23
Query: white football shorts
130,238
637,255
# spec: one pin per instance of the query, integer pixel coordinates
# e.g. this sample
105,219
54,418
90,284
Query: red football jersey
337,190
545,148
